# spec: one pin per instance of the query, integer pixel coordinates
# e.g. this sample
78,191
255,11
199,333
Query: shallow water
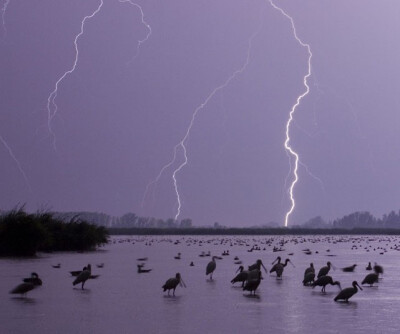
122,301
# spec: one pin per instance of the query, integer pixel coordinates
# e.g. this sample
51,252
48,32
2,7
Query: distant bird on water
172,283
211,267
241,277
83,276
347,293
324,281
369,267
324,270
349,269
56,266
141,270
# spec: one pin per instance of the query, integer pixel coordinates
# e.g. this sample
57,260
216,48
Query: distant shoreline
251,231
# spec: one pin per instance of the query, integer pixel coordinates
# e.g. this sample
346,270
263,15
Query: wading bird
370,279
241,277
324,281
28,285
273,269
34,279
252,284
324,270
83,276
309,278
280,266
211,267
310,269
347,293
173,282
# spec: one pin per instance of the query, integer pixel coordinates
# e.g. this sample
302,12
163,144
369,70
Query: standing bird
241,277
369,267
310,269
279,268
349,269
347,293
252,284
173,282
370,279
309,278
273,269
83,276
324,281
211,267
258,266
324,270
378,269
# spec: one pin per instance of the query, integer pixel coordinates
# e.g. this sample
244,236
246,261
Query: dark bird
83,276
324,281
378,269
258,266
347,293
142,259
369,267
141,270
211,267
310,269
324,270
309,278
280,266
100,265
28,285
241,277
34,279
172,283
349,269
273,269
253,283
178,257
370,279
57,266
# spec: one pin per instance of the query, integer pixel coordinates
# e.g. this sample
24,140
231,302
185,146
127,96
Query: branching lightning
12,155
181,145
3,16
51,104
287,145
141,41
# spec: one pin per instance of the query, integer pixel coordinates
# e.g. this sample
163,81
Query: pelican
324,270
258,266
324,281
370,279
83,276
211,267
275,265
173,282
252,284
241,277
349,269
347,293
309,278
34,279
310,269
279,268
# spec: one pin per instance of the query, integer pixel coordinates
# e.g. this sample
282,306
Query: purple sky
118,120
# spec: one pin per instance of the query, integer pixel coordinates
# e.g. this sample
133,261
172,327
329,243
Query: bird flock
250,278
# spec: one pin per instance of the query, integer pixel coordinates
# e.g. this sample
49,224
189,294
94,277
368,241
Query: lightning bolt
3,16
181,145
12,155
141,41
51,104
287,145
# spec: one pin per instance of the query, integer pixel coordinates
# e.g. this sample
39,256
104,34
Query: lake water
122,301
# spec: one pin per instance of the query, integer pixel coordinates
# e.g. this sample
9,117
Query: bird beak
340,287
333,267
275,261
292,264
237,270
182,283
359,287
265,269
